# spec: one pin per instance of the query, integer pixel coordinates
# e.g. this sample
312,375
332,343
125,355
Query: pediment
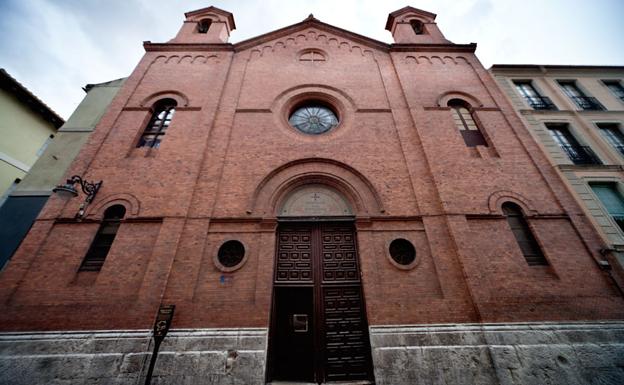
311,28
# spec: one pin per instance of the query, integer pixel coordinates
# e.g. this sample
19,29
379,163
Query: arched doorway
319,330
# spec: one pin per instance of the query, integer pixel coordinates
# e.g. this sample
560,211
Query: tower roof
211,9
407,9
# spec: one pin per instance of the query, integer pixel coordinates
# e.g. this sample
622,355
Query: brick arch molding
179,97
444,98
129,201
496,200
276,185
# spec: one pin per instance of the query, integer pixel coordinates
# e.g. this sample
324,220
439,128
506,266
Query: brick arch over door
355,187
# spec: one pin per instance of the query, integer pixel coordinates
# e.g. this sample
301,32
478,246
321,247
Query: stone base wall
518,354
209,356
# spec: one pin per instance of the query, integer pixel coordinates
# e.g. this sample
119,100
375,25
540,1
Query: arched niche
314,200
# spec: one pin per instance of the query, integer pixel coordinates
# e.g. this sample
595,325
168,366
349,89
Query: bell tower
209,25
414,26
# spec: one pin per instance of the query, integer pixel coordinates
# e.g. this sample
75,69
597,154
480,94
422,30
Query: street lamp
68,190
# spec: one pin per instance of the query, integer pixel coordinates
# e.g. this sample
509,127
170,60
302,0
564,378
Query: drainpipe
161,327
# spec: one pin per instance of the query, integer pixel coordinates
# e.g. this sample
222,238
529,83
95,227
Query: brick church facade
318,206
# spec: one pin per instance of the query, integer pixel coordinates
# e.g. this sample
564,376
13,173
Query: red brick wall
397,154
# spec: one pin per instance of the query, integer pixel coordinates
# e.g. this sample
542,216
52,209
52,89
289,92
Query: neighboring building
576,113
319,206
27,126
23,203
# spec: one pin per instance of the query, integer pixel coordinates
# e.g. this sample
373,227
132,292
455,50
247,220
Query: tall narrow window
104,238
583,101
581,155
616,87
612,201
521,231
532,97
466,124
612,134
204,25
417,26
161,119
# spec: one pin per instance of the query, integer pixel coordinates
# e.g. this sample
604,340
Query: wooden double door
319,331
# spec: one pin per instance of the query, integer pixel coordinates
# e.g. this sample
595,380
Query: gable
313,43
311,28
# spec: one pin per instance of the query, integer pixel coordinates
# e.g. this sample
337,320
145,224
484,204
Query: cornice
182,47
433,47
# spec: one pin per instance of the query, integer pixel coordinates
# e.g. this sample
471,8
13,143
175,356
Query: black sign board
163,321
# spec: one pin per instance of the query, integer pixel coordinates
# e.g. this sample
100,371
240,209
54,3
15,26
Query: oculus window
402,251
313,118
231,253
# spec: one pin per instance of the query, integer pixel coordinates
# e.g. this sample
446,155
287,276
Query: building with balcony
576,114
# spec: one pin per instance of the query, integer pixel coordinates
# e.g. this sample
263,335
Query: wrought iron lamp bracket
89,188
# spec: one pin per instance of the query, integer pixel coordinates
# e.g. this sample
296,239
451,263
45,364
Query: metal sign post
161,327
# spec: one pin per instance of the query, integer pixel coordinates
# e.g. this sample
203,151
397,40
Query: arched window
520,228
417,26
466,124
204,25
162,114
104,238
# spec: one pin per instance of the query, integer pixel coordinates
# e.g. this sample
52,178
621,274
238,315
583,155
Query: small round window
313,118
402,252
231,253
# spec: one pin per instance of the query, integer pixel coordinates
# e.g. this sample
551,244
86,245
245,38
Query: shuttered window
521,231
94,260
612,201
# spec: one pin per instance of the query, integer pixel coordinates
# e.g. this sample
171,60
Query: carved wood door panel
322,257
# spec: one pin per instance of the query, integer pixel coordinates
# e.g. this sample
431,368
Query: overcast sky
55,47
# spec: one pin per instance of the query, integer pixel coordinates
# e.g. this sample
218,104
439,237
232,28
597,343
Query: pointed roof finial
310,16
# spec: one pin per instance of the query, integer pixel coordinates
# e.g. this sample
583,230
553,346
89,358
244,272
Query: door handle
300,323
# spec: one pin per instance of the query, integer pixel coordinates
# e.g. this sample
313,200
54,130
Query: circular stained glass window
231,253
313,119
402,251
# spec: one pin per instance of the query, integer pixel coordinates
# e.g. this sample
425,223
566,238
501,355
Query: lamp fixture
68,189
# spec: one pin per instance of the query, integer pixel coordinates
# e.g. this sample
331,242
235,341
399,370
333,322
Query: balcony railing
581,154
587,103
620,148
619,219
540,103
